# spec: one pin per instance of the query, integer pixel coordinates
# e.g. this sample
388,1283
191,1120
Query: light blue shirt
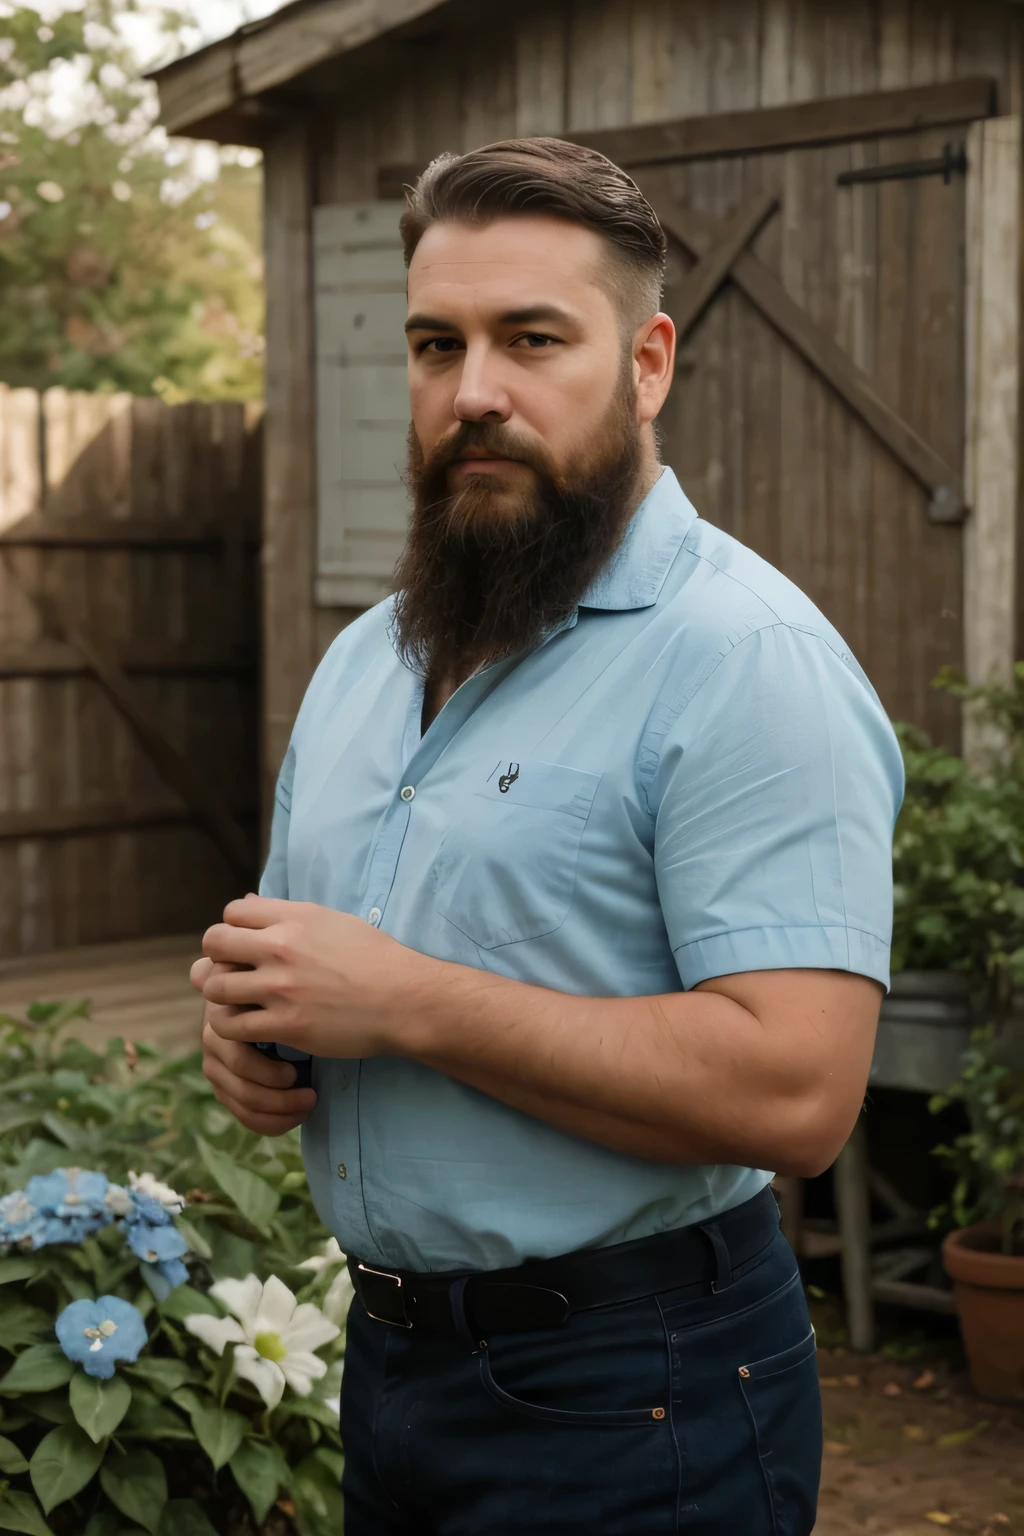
691,777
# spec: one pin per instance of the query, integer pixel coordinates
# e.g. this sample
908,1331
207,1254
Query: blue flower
156,1245
70,1192
19,1218
96,1334
64,1206
149,1210
162,1278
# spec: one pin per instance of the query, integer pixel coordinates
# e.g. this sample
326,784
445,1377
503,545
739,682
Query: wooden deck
139,989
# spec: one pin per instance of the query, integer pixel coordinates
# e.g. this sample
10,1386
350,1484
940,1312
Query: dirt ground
909,1449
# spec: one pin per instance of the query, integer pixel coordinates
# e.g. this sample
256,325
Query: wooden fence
129,644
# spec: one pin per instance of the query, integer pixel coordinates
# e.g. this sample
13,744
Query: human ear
654,358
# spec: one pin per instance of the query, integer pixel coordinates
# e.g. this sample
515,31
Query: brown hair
548,176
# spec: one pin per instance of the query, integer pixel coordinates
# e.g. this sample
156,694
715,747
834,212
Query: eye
536,341
439,345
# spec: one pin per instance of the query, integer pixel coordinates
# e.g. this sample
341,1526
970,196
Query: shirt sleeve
775,791
275,873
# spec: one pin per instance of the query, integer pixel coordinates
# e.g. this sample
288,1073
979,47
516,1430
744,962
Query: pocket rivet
657,1413
743,1371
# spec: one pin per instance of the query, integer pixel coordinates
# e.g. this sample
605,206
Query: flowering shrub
171,1310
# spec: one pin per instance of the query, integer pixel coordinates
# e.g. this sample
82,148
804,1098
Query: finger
261,1124
200,972
254,1099
247,1025
234,946
241,989
246,1062
258,912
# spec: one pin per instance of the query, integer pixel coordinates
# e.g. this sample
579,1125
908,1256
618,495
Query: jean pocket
506,867
600,1418
783,1399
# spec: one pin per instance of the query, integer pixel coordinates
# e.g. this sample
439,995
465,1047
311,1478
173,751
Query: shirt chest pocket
506,867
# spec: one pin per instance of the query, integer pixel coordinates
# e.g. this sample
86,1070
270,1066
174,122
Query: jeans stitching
626,1418
671,1415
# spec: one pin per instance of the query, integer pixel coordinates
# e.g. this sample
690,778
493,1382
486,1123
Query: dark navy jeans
687,1411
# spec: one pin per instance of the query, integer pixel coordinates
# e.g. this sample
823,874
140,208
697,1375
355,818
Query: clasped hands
294,973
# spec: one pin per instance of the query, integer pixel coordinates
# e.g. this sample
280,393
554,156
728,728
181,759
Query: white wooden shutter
362,401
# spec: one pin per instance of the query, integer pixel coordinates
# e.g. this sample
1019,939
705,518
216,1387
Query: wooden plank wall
93,844
574,65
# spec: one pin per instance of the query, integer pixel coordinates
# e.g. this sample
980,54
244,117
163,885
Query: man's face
516,357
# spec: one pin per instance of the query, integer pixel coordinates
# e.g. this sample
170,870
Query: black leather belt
544,1293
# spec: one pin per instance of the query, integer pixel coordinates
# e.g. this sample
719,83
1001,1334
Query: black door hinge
952,162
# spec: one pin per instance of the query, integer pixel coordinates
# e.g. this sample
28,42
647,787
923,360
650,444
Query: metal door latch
952,162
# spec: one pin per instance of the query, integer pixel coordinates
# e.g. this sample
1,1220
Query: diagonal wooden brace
175,770
702,282
825,355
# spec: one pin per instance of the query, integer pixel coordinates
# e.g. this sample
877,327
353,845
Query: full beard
480,578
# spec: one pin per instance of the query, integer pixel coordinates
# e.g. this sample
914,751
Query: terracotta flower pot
989,1289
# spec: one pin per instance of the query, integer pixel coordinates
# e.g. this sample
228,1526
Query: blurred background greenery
127,261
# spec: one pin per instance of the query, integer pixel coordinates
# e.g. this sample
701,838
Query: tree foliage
119,269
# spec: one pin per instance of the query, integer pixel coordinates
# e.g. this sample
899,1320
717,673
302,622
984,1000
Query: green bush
958,851
958,876
988,1158
156,1410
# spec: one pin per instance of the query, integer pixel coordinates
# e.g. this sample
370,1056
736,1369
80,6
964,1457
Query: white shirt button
375,916
408,792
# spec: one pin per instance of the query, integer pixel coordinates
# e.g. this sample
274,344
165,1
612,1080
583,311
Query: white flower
51,191
331,1254
334,1404
274,1336
118,1200
149,1184
339,1297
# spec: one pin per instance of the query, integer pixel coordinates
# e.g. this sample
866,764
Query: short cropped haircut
518,177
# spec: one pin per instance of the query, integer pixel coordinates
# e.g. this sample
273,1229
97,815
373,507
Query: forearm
685,1078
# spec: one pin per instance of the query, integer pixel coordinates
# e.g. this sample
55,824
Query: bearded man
579,899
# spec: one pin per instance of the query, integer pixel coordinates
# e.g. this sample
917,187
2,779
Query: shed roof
227,89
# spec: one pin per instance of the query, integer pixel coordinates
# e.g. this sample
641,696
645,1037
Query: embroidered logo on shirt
508,779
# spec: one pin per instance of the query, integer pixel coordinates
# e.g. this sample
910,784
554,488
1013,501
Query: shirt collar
635,575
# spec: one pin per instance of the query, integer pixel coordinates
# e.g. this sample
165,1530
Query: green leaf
148,1419
219,1431
259,1470
99,1406
234,1257
184,1517
255,1198
137,1485
51,1406
961,1436
64,1461
20,1512
40,1368
18,1269
164,1376
11,1459
333,1460
21,1323
183,1300
317,1493
195,1239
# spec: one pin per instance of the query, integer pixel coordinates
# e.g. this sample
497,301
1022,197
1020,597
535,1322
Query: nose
481,395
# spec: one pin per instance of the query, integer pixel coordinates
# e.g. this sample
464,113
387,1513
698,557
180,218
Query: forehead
515,259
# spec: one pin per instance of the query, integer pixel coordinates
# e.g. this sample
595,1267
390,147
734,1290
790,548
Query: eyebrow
531,314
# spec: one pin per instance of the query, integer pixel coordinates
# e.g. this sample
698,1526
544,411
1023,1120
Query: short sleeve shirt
690,777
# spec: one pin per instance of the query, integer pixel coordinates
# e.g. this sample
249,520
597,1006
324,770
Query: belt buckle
382,1274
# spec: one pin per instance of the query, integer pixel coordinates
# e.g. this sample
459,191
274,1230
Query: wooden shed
841,181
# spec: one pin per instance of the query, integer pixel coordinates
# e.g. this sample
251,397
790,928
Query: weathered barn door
818,411
776,447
